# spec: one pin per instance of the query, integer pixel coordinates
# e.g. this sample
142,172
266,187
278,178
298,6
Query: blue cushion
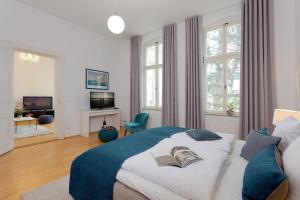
263,131
203,135
263,176
255,142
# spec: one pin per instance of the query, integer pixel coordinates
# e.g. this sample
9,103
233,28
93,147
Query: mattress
229,184
123,192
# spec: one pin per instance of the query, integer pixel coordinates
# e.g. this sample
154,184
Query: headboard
280,114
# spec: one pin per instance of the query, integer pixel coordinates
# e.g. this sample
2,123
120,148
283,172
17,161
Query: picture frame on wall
96,79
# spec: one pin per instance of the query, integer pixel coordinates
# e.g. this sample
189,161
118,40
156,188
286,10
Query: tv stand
37,113
112,117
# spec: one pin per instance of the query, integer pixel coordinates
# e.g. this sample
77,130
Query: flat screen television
37,103
101,100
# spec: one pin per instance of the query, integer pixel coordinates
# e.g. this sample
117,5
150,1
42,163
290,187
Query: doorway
34,94
7,104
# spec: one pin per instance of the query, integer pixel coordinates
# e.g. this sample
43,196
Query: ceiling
141,16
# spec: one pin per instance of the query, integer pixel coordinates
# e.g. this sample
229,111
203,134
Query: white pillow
291,164
288,130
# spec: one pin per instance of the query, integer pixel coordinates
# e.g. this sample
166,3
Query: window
222,68
153,75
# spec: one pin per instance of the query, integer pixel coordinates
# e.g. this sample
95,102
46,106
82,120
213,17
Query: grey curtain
256,106
170,101
194,105
135,50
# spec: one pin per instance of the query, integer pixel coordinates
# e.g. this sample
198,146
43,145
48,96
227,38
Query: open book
179,156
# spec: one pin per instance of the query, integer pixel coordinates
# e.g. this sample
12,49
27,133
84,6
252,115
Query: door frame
59,80
7,143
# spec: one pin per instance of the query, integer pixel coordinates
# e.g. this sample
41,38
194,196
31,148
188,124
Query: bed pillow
263,177
291,163
288,130
203,135
264,131
256,142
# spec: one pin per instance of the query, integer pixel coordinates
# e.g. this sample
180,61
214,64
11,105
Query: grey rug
28,131
56,190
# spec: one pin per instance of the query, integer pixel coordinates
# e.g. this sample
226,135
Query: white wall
223,15
297,13
33,78
223,124
79,47
122,72
285,53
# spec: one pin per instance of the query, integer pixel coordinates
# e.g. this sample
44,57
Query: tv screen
99,100
37,103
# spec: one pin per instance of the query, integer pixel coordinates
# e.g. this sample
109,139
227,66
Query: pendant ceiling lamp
115,23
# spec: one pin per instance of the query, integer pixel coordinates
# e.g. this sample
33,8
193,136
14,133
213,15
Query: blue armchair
140,123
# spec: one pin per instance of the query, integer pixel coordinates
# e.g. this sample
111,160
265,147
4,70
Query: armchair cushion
132,126
140,123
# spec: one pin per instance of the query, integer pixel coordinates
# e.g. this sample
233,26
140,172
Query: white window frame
157,66
224,58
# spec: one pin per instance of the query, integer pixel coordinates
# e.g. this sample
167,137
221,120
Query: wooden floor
28,141
27,168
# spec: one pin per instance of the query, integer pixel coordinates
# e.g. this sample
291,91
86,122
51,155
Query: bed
229,184
124,169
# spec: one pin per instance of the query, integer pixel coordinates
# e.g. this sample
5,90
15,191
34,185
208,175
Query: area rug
28,131
56,190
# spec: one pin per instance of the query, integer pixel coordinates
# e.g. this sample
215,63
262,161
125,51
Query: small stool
106,135
45,119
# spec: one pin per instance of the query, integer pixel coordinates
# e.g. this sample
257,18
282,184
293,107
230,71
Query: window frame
224,59
156,67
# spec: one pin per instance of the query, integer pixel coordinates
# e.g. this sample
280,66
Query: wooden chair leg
125,132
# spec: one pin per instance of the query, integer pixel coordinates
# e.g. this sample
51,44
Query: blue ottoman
106,135
45,119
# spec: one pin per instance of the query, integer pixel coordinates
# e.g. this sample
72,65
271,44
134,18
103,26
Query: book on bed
179,156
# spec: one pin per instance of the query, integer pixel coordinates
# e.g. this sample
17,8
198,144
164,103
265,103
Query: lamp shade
116,24
281,114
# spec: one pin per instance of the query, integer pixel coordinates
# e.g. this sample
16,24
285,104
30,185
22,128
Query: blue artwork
97,80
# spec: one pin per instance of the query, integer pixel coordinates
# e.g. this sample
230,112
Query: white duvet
196,181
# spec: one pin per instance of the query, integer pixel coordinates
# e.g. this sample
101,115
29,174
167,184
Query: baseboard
35,143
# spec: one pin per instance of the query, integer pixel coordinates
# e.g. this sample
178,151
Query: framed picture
96,80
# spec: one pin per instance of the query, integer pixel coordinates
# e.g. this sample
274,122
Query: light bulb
116,24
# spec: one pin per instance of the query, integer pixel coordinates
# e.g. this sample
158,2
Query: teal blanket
93,173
